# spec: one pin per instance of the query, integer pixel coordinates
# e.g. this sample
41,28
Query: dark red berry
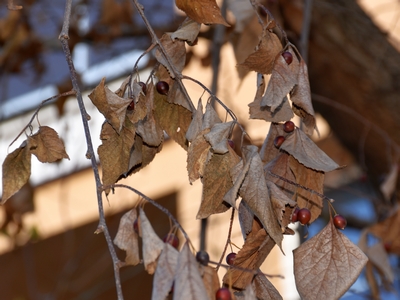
262,11
278,141
293,218
144,87
203,257
136,226
171,239
230,258
131,106
231,144
288,57
304,216
288,126
387,246
223,294
339,221
162,87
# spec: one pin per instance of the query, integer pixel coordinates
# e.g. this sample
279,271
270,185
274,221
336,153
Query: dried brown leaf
301,147
197,156
47,145
164,276
202,11
112,106
210,117
326,265
16,170
313,180
280,84
152,244
283,206
267,51
218,137
127,239
243,12
268,151
256,248
115,151
283,112
188,282
176,52
264,289
176,96
196,124
210,280
388,186
378,256
216,182
188,31
246,218
254,192
173,118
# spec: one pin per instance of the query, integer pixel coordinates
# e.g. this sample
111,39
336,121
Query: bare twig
305,30
72,92
102,226
156,40
228,239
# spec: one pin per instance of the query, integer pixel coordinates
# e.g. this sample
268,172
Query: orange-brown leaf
264,289
210,280
188,31
127,239
47,146
175,50
16,171
326,265
202,11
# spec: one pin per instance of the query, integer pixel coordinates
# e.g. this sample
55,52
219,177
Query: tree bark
353,66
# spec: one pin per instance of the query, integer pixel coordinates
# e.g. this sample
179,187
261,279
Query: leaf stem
228,239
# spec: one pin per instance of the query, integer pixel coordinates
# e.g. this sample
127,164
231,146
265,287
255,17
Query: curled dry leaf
16,171
176,51
173,118
188,281
196,124
164,276
47,146
280,84
127,239
264,289
216,183
210,117
198,156
112,106
176,96
262,60
188,31
302,148
283,206
326,265
202,11
246,218
283,112
152,244
115,151
218,137
268,151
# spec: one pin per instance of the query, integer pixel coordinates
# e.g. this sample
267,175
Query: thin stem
156,40
228,239
255,272
102,226
72,92
305,30
154,203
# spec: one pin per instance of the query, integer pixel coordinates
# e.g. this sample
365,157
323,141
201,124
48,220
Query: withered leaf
176,96
188,31
127,239
256,248
218,137
115,151
246,218
112,106
264,289
173,118
210,280
152,244
254,192
197,156
196,124
202,11
388,186
280,84
326,265
210,117
268,150
267,51
378,256
175,50
188,282
302,148
216,182
165,272
313,180
283,206
243,12
283,112
47,145
16,170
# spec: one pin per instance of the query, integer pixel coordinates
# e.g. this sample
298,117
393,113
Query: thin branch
154,203
156,40
228,239
305,30
102,226
72,92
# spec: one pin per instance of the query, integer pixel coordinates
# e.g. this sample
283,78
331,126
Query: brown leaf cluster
202,11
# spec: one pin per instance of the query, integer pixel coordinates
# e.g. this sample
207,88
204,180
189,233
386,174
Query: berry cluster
288,127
